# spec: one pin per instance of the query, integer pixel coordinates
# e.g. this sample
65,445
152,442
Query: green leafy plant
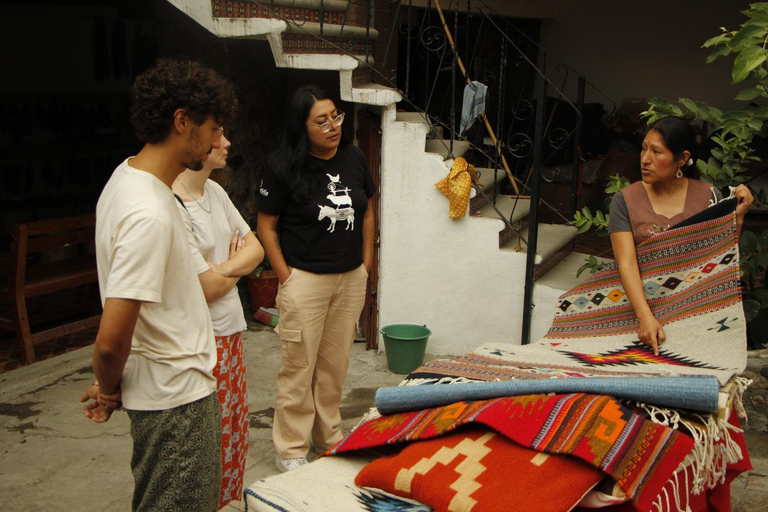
754,262
585,220
736,128
735,131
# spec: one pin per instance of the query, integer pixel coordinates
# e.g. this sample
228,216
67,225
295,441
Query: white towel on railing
473,105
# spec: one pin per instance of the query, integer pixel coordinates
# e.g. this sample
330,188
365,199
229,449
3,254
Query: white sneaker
284,465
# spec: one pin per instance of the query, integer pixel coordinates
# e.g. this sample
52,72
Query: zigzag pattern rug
691,281
640,455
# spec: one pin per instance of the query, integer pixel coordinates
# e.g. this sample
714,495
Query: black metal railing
529,123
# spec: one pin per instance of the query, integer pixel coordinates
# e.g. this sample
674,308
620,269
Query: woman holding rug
224,249
666,196
316,224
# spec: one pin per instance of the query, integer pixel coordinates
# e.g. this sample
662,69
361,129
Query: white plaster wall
545,300
445,273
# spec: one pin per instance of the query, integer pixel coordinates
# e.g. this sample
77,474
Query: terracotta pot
263,289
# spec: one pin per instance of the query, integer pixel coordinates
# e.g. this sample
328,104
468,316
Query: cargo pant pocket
294,350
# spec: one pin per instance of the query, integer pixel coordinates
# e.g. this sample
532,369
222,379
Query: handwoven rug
690,275
638,454
325,485
469,471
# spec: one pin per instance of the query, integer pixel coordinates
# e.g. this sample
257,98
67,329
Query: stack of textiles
662,432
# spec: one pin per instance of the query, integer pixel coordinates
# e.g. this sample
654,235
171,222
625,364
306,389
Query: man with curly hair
155,348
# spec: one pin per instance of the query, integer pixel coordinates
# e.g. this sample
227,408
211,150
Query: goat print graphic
342,209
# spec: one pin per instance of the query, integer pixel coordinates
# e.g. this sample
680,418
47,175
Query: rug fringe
443,380
714,447
741,384
372,414
663,497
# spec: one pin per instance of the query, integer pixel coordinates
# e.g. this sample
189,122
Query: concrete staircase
303,34
555,240
462,277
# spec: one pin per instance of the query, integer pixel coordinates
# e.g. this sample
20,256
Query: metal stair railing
522,131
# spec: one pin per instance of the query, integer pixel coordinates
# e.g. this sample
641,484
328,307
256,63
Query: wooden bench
48,256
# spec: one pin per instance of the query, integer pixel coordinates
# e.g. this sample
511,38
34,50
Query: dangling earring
679,173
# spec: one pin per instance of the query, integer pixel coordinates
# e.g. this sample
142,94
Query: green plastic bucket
405,345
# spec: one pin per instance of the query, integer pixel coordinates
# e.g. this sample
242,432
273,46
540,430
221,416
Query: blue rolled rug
692,393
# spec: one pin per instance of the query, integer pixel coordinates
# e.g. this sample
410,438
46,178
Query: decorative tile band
305,43
244,9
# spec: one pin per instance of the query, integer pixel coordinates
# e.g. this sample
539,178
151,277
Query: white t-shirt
211,222
142,253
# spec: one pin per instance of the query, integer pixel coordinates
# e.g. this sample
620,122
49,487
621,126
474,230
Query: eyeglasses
330,125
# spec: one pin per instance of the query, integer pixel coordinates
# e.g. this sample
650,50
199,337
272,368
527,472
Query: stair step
418,117
563,275
489,184
489,178
410,117
442,146
505,204
553,239
373,94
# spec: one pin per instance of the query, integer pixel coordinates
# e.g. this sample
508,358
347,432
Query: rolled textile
692,393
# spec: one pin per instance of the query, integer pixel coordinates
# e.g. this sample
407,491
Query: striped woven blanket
690,275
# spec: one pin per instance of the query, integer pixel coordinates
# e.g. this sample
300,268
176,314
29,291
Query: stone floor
54,459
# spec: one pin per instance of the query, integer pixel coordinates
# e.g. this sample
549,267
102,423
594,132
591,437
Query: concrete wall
446,273
646,49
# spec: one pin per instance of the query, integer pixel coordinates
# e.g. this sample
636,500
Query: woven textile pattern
469,471
685,272
639,454
691,282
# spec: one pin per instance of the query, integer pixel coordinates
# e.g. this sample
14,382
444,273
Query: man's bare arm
113,342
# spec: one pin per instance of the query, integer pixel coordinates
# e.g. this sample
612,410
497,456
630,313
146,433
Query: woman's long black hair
291,161
677,134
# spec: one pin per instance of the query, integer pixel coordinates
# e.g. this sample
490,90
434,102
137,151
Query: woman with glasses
316,224
223,249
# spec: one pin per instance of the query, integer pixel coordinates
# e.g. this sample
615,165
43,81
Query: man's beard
196,165
191,162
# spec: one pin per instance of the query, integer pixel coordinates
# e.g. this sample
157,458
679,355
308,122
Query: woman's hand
651,333
283,276
744,200
235,244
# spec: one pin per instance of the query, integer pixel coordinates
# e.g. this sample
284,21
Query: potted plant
262,286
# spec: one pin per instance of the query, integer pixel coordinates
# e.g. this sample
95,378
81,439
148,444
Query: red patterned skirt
231,386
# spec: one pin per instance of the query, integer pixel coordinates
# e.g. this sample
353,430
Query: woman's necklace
196,200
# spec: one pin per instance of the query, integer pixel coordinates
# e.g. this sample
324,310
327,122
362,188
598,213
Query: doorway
369,141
